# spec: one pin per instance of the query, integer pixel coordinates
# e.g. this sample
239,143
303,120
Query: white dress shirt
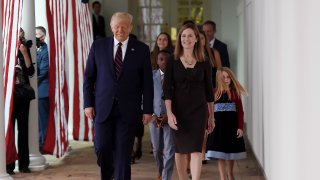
211,43
123,47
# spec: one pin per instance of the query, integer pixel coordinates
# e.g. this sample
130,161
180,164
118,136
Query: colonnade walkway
80,164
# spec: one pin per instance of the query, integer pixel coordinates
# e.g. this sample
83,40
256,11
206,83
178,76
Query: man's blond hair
121,15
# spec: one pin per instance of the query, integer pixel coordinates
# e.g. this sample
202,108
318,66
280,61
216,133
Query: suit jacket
99,28
43,71
101,87
223,50
158,102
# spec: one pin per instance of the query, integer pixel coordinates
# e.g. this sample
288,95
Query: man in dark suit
209,28
116,77
98,23
43,83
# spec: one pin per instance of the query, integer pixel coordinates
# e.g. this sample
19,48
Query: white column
3,172
37,161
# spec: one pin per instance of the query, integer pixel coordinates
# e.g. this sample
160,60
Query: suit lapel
110,58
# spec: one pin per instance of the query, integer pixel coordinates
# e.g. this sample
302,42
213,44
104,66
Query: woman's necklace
190,62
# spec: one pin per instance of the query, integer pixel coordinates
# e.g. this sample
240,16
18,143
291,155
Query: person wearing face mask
43,83
21,104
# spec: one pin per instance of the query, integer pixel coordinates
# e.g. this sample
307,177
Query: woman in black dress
188,94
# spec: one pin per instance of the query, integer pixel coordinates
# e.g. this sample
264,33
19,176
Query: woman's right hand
172,121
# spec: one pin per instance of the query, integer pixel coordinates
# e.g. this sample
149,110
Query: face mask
38,42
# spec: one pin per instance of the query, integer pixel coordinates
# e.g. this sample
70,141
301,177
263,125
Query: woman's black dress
190,89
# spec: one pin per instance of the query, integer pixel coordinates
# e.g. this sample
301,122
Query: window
151,20
190,10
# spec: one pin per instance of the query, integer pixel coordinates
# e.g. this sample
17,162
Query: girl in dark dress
226,141
188,94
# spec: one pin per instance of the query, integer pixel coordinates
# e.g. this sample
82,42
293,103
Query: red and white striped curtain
57,16
56,142
57,134
11,21
82,40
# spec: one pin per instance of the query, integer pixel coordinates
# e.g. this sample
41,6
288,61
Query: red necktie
118,60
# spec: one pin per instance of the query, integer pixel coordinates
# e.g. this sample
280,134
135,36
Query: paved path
80,163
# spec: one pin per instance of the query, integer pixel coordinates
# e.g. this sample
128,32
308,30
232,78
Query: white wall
229,29
40,14
282,46
213,11
224,13
254,112
240,67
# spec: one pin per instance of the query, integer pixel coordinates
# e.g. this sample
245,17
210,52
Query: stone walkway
80,164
